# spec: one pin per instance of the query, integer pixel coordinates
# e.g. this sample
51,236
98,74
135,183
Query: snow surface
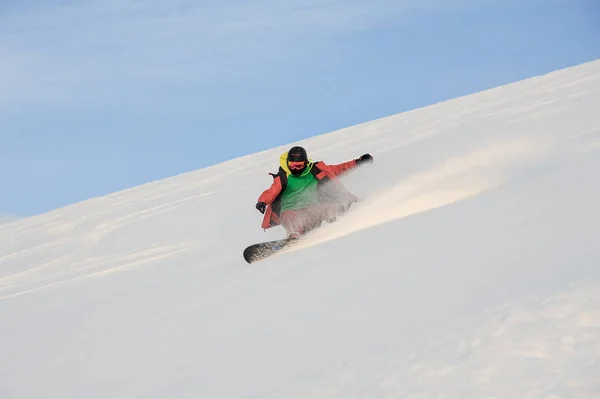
470,269
5,218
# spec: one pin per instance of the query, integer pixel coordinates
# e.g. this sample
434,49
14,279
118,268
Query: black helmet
297,154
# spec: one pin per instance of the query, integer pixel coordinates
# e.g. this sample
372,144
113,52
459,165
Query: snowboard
262,250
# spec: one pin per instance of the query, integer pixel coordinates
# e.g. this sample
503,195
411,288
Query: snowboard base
262,250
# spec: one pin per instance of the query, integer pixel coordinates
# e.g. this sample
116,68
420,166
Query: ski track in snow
470,269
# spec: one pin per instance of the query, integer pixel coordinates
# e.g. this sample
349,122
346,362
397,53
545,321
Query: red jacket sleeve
269,195
339,169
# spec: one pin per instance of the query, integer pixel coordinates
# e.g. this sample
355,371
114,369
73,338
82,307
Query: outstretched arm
341,168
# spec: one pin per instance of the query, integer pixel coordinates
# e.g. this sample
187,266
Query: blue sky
96,97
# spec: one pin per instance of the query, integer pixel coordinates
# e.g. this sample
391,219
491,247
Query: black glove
367,158
261,206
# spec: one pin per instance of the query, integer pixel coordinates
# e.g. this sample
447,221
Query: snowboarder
305,193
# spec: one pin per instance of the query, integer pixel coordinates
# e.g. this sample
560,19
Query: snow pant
300,221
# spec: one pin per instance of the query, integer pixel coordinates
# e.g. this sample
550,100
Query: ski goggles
296,165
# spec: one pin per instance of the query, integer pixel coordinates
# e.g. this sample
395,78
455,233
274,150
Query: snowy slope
4,218
470,270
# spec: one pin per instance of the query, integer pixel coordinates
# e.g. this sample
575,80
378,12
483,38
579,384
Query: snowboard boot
293,236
